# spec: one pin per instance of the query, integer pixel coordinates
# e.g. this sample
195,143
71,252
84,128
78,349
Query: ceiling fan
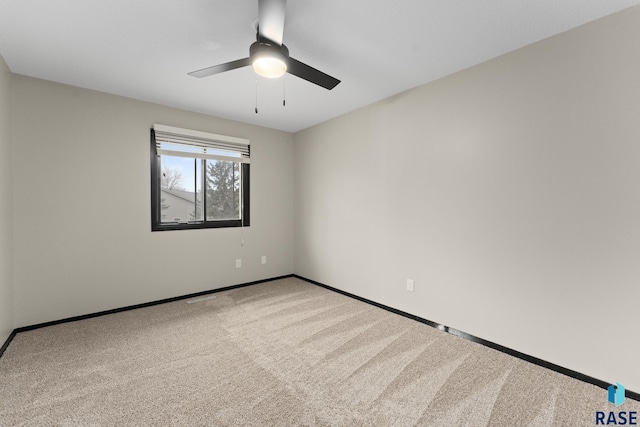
267,55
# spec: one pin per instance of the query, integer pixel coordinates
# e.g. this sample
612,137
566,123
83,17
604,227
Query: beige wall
83,240
510,193
6,206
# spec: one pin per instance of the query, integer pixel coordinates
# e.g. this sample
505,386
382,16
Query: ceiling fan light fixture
268,66
269,60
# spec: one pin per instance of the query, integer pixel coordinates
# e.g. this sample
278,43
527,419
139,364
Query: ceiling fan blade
271,19
221,68
310,74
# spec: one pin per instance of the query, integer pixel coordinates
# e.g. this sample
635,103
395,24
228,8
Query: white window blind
172,141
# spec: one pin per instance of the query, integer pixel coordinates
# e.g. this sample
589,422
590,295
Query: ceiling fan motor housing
268,52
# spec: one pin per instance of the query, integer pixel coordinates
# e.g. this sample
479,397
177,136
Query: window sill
167,226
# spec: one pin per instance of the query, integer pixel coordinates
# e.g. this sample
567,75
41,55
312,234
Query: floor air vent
193,301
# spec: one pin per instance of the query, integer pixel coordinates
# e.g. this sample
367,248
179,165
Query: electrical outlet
264,259
238,263
410,285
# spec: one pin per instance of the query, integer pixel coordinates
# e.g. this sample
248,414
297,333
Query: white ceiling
144,49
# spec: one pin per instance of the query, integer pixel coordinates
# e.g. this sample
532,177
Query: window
198,179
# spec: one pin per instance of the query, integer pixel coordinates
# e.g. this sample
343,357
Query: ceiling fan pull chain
284,91
256,96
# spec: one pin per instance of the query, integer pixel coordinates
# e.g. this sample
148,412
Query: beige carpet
283,353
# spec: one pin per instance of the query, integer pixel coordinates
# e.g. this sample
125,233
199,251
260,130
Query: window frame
156,211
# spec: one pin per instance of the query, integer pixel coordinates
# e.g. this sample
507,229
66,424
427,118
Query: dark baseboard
531,359
7,342
143,305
